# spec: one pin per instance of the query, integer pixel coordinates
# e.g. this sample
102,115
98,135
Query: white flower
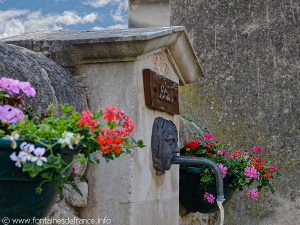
38,158
70,139
27,147
15,158
25,154
29,153
39,151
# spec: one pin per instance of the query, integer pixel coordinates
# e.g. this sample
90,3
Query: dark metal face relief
160,93
164,143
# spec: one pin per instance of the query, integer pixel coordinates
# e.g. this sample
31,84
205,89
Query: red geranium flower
267,174
116,148
105,150
193,144
258,163
87,120
101,140
118,140
125,121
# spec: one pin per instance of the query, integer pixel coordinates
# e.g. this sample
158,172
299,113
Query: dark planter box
18,198
191,193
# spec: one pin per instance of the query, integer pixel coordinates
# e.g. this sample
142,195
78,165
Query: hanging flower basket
191,193
241,169
18,198
32,171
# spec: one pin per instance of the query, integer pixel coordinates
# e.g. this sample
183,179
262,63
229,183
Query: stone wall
148,13
250,55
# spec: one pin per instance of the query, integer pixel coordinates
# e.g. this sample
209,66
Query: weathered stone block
52,82
79,168
74,198
61,210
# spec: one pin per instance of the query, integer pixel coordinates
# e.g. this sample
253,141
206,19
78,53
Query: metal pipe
184,160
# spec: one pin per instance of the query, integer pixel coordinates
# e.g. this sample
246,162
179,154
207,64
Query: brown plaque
160,93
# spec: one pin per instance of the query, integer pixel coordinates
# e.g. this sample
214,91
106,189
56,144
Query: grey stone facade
148,13
250,55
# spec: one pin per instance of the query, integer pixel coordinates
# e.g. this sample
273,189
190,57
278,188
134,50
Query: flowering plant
241,168
41,137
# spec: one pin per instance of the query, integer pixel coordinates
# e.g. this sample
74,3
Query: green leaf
140,144
44,175
50,109
97,114
113,124
39,190
65,108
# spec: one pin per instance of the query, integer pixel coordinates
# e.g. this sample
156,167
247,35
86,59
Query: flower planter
18,198
191,194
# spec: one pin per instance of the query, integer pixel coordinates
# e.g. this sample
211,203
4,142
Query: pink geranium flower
273,168
222,152
207,137
257,149
10,114
209,197
27,89
223,169
14,87
251,172
10,85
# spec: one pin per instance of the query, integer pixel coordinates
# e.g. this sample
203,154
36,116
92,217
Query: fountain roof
114,45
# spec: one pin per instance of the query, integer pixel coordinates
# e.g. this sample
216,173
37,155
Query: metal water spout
184,160
164,145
